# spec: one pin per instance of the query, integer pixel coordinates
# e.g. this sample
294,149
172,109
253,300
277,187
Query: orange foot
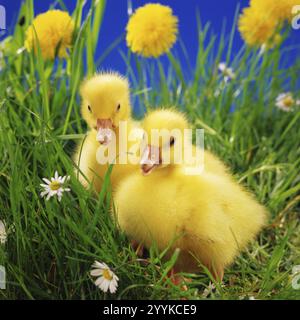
137,247
178,280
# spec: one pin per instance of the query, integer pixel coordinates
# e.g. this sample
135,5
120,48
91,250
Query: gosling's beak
151,158
104,131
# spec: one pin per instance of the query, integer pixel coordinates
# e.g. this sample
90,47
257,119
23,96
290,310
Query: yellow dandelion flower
54,31
152,30
279,9
256,27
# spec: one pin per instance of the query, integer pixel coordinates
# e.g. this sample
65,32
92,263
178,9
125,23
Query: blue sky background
217,12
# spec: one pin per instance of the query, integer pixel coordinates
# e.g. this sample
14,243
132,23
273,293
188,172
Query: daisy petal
42,194
99,281
100,265
113,286
105,285
96,272
44,185
47,181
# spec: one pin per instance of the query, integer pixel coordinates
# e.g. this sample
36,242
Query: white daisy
3,234
54,187
296,270
106,280
286,102
228,73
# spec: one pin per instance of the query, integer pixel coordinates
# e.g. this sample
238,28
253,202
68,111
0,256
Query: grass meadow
51,245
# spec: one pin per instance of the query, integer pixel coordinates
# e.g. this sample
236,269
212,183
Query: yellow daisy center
55,185
107,275
288,101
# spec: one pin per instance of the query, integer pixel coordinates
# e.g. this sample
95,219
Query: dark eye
172,141
90,109
118,107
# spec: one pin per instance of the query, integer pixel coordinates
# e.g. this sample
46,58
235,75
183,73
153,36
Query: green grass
52,245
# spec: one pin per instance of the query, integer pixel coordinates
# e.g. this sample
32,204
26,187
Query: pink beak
104,131
151,159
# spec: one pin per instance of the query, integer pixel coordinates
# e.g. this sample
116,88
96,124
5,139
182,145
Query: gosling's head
163,139
105,102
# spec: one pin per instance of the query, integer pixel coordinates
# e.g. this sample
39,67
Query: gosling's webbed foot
178,280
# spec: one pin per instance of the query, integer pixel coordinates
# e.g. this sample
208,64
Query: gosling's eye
90,109
118,107
172,141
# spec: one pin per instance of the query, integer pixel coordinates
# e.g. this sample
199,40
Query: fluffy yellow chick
209,217
176,120
105,105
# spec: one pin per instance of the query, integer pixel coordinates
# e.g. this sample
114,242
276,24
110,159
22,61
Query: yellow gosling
209,217
105,105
